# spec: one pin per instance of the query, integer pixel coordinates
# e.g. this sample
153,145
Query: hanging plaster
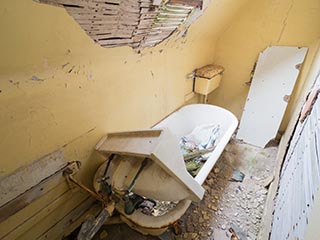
270,90
138,24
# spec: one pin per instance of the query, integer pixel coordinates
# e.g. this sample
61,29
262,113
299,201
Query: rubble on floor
232,204
230,210
161,208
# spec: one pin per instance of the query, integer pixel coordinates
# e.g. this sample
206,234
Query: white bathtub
181,123
184,120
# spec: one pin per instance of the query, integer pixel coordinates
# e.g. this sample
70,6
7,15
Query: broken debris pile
196,149
160,208
198,145
234,200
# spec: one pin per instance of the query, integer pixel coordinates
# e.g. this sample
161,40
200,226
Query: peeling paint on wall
36,78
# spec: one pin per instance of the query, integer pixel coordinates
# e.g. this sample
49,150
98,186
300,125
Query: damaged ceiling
134,23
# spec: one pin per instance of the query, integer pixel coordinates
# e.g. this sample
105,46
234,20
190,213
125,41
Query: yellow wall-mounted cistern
207,79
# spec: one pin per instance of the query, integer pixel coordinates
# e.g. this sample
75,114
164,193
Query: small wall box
205,86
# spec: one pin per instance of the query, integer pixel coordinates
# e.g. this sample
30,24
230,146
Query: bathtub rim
209,164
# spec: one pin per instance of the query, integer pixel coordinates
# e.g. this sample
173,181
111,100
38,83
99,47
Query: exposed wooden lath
136,23
194,3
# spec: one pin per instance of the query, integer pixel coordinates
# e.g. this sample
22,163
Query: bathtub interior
183,121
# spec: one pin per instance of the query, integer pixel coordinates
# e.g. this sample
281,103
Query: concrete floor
226,204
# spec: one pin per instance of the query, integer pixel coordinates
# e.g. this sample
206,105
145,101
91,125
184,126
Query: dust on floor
228,204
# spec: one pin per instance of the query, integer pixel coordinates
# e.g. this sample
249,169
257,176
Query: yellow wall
261,24
84,91
107,90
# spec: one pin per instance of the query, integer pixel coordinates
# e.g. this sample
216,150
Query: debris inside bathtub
196,149
197,146
160,208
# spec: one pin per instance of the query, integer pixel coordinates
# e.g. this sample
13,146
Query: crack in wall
82,135
284,22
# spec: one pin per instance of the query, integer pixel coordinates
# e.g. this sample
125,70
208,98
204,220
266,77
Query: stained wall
259,25
60,90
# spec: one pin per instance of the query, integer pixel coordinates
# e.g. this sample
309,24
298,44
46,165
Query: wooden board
276,72
40,222
30,175
24,215
72,220
48,200
34,193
